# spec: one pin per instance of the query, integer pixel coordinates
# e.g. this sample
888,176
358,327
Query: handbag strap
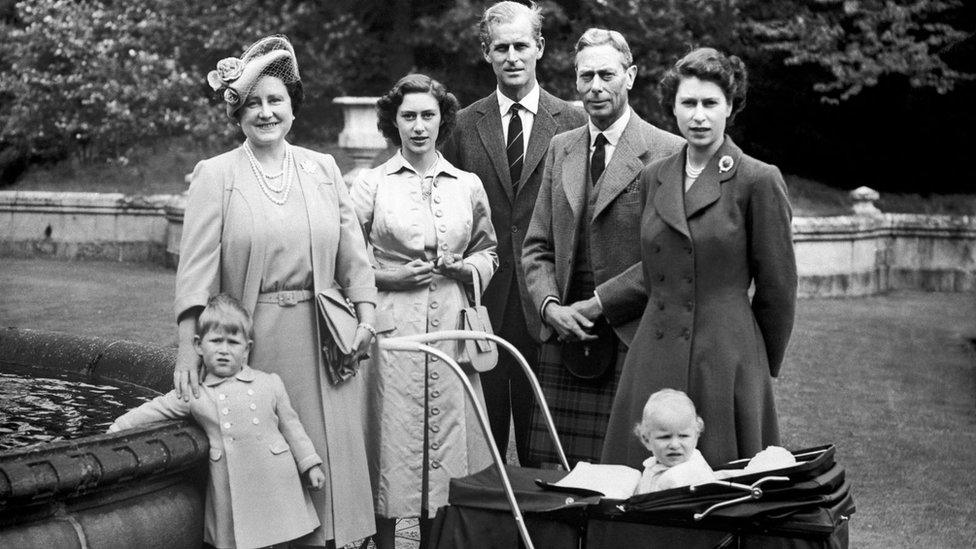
476,283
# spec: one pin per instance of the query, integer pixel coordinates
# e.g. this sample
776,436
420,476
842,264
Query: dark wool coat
701,332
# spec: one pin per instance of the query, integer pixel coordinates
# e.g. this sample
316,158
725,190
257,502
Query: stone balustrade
859,254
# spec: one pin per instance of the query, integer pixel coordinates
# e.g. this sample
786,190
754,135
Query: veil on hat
237,77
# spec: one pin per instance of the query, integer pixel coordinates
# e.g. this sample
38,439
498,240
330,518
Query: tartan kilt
580,409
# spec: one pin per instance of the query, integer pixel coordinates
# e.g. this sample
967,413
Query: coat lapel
245,184
574,171
708,188
312,205
624,165
669,198
492,137
543,128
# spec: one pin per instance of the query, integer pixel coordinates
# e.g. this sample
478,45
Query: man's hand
590,308
570,324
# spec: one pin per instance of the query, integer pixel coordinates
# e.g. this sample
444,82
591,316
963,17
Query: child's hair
663,396
225,312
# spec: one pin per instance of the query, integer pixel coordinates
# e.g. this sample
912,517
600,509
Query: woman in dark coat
715,221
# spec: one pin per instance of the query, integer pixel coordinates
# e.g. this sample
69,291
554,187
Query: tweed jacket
257,448
478,145
549,251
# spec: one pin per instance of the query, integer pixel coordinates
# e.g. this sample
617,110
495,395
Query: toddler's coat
254,497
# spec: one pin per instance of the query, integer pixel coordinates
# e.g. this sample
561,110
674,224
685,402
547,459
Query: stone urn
359,137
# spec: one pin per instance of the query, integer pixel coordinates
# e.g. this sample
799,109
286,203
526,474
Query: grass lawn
890,380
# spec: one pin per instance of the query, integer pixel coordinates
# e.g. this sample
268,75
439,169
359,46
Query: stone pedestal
359,136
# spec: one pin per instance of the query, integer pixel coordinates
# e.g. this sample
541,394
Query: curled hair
598,37
386,107
506,12
711,65
224,312
668,397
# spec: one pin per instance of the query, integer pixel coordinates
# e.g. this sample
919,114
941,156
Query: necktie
514,147
599,158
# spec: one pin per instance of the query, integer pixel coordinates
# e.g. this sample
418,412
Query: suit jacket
549,251
478,145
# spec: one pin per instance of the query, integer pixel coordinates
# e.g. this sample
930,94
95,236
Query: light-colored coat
477,145
550,247
394,215
223,249
257,448
700,332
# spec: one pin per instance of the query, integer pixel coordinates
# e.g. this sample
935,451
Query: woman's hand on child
316,477
186,373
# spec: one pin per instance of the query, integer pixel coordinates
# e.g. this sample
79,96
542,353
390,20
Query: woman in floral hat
270,223
715,222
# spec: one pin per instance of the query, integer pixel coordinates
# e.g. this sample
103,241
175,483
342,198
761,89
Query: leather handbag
591,359
337,329
476,355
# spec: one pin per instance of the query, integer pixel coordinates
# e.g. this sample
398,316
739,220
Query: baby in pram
670,428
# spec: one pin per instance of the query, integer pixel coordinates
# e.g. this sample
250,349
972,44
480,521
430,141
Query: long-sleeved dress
257,449
700,331
402,225
271,257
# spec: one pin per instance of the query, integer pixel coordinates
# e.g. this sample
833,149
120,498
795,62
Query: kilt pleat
580,409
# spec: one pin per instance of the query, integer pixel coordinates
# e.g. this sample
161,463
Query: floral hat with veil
237,77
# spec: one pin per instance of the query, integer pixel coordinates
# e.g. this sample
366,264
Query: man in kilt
581,253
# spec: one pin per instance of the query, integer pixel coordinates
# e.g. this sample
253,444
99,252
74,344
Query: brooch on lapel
308,166
725,164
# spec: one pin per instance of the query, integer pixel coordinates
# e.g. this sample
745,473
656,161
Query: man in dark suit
502,138
585,231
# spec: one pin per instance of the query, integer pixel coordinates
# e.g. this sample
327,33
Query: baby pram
806,505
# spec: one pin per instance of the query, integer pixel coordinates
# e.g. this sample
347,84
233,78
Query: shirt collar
530,102
612,133
246,374
398,163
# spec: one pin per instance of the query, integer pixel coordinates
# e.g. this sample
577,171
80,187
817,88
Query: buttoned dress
402,225
255,497
703,331
268,256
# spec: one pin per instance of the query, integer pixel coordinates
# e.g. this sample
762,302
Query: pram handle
416,343
755,492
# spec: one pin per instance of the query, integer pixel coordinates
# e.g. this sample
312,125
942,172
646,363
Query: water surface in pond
40,406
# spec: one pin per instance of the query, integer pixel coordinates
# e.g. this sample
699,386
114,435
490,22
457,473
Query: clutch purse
591,359
476,355
337,330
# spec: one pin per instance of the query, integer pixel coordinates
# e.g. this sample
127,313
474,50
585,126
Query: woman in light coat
715,222
270,223
429,226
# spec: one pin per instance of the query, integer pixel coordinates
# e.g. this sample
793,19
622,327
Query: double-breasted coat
581,408
701,332
237,241
399,221
257,449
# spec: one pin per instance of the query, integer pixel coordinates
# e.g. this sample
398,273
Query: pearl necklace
692,172
276,194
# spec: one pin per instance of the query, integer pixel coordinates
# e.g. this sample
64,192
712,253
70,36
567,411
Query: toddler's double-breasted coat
257,448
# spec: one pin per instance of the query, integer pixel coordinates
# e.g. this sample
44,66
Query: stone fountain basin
139,488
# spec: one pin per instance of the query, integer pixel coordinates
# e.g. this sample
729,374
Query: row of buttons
657,249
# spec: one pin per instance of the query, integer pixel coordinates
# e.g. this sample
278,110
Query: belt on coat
288,298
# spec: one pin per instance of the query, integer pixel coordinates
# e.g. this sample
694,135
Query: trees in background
837,86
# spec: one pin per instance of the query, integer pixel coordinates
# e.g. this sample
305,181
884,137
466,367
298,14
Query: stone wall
861,254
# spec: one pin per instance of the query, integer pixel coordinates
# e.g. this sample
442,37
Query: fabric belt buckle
287,299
